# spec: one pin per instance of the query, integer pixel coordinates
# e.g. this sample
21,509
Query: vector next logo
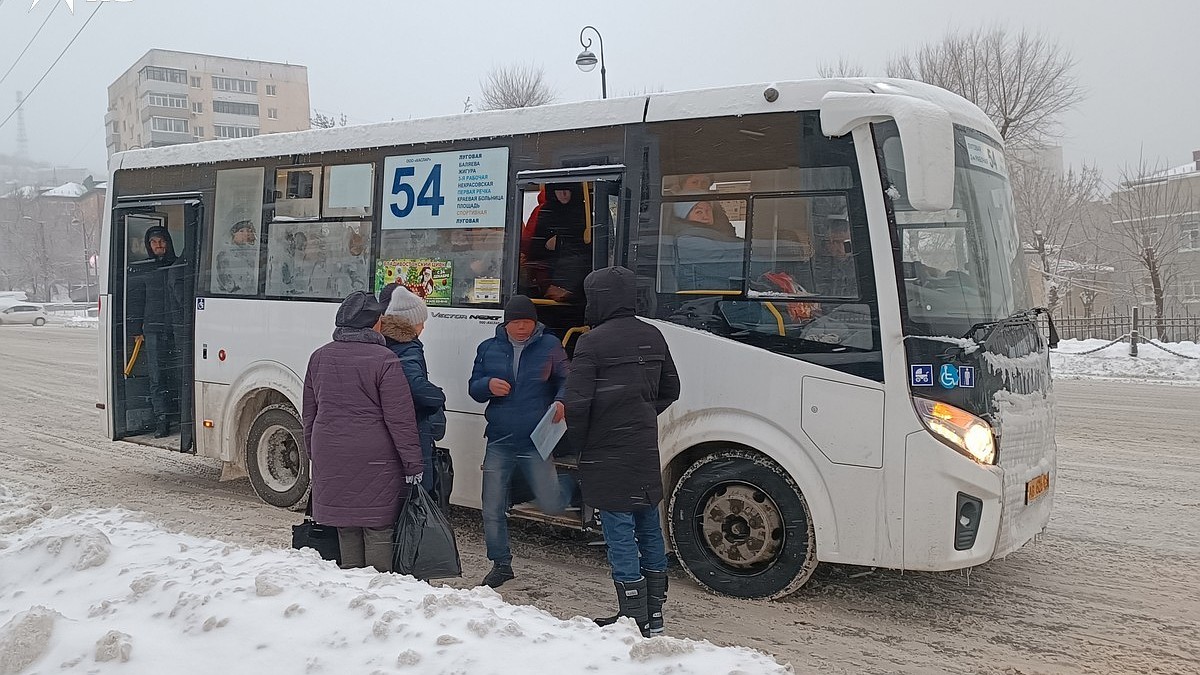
71,3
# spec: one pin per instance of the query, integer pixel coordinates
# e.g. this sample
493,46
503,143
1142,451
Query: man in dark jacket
520,373
158,302
402,323
622,378
361,433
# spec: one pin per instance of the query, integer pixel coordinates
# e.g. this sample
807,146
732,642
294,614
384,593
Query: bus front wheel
741,527
276,458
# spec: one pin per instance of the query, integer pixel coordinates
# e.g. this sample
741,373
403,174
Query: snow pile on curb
1151,363
93,590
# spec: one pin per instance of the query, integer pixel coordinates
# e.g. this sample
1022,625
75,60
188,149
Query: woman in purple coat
361,433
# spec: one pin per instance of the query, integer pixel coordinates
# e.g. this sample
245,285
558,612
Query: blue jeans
635,543
500,461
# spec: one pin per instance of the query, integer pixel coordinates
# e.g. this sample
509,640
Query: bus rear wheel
741,527
276,458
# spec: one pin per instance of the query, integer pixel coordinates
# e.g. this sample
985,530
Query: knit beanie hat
519,307
405,304
682,209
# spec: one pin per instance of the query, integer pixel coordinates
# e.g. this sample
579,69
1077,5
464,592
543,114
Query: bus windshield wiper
1019,316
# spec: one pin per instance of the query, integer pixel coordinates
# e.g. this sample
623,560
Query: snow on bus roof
718,102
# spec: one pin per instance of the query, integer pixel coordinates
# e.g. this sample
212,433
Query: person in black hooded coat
159,299
560,241
621,379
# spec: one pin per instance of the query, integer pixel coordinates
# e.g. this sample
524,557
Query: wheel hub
742,526
279,458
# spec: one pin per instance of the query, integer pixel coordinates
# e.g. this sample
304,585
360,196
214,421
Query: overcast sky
376,60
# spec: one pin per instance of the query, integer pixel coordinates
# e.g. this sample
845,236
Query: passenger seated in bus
562,243
834,273
707,258
707,215
237,265
701,184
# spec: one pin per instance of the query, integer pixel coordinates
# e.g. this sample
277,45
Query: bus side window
326,260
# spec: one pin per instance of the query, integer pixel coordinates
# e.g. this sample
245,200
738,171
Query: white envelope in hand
548,433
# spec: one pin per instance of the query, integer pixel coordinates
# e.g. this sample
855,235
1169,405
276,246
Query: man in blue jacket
520,374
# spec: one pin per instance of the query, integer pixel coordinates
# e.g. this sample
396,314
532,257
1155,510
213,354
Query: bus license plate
1036,487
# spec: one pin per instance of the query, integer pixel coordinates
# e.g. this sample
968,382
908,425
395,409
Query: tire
276,458
39,321
740,526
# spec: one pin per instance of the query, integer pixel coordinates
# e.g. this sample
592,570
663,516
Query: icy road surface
1112,588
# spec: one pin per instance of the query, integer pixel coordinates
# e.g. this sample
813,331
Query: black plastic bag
423,544
443,478
322,538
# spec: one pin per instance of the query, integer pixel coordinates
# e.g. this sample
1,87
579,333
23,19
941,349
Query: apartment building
170,97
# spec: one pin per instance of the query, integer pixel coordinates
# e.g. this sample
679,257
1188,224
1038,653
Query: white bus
834,263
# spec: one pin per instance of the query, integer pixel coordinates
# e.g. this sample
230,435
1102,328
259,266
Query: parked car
24,314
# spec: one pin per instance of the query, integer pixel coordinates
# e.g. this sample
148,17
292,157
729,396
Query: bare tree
1148,212
515,86
843,67
1052,209
1023,81
320,120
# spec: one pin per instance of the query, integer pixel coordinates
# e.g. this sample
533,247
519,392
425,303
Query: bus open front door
154,253
566,232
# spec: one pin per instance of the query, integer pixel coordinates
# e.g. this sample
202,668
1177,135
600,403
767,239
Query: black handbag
423,544
321,538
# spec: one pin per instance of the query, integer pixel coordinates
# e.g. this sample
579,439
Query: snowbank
1151,363
107,591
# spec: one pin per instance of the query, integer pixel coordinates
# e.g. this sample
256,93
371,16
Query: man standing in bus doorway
158,300
520,373
622,378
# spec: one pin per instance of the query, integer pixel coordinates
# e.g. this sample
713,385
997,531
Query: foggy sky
376,60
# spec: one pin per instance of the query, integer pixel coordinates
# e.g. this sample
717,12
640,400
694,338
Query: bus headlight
959,429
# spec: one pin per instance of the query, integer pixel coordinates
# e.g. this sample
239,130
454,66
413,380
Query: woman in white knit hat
401,326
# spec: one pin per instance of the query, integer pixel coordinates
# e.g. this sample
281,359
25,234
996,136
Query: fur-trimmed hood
395,328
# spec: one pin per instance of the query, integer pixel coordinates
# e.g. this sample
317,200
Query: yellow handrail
137,349
572,331
778,317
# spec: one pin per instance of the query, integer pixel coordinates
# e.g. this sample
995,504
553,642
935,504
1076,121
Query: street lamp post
587,60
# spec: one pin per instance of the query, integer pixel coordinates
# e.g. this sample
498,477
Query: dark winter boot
656,595
499,575
631,602
163,429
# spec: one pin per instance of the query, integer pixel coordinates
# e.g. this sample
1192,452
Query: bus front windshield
962,266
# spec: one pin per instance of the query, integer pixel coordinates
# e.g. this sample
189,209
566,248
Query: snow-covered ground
1108,589
1114,361
89,591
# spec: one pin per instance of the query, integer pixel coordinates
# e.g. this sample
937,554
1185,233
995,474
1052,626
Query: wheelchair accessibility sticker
948,376
199,304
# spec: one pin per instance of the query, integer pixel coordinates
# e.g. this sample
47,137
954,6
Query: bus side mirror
926,131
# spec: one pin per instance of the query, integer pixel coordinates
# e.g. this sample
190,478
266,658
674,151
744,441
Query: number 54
431,191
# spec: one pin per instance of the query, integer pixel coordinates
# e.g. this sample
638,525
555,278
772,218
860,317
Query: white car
23,314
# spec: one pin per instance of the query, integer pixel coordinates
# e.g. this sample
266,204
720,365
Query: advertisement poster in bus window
428,278
458,189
